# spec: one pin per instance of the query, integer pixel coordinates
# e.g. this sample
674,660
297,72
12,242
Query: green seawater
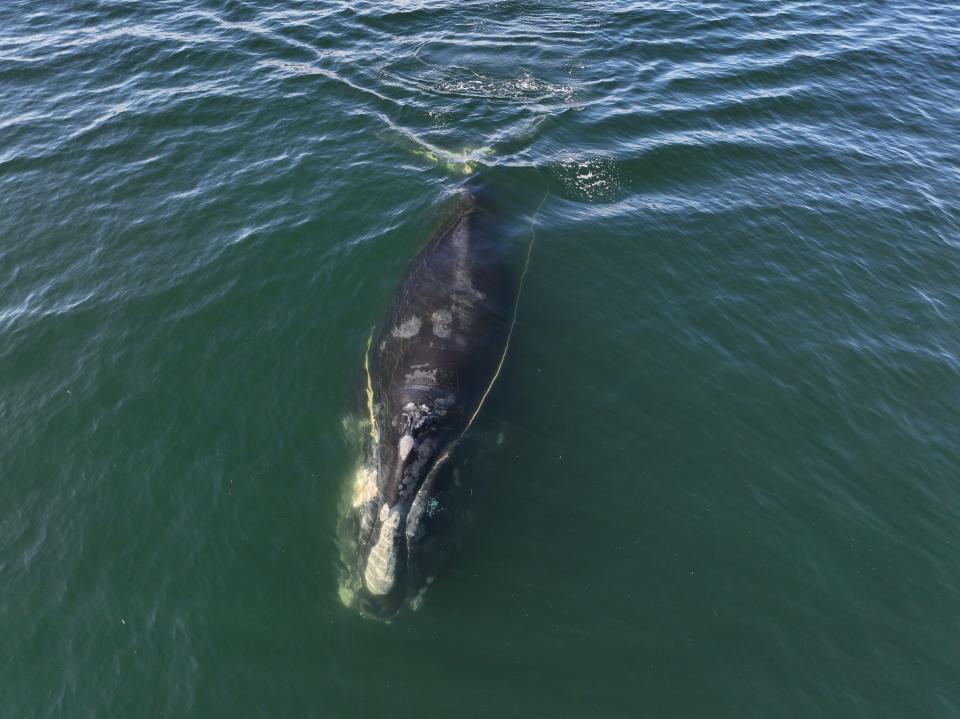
719,474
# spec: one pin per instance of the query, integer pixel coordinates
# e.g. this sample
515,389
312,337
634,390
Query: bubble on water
594,179
525,88
440,119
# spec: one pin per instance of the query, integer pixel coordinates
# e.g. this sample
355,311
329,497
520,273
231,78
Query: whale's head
397,522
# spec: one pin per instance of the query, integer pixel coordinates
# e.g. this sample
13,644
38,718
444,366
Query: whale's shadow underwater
428,368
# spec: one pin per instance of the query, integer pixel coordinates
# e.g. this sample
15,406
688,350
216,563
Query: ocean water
719,475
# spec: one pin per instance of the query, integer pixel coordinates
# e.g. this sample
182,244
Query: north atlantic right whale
427,370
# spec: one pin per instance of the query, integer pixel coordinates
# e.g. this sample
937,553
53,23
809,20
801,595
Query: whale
427,370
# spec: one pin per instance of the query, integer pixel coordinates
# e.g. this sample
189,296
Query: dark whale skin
428,368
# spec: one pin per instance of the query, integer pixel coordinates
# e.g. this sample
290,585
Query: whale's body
428,369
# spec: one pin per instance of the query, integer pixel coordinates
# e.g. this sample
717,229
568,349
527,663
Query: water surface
719,473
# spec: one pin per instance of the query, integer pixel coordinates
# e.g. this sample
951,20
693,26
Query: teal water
719,475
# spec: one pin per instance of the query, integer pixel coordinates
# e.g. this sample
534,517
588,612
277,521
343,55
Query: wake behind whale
428,369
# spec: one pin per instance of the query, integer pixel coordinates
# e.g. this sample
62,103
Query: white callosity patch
412,472
364,486
406,444
414,416
407,329
382,561
441,320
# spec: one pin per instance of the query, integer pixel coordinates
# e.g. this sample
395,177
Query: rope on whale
442,459
516,309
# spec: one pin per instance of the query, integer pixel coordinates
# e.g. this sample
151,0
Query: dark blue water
719,474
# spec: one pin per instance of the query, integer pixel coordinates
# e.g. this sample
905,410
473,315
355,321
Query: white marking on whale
441,320
364,486
382,562
407,329
406,444
424,377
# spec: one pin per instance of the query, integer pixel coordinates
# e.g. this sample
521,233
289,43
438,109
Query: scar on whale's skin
441,323
407,329
423,377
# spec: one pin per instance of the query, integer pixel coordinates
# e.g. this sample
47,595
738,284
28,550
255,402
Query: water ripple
728,426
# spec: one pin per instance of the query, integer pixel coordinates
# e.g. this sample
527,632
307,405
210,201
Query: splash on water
525,88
